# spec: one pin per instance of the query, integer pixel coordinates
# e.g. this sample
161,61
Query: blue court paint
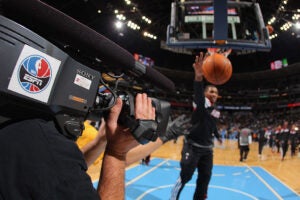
240,179
155,182
284,191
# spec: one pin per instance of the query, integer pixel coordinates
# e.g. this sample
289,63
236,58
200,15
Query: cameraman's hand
144,108
119,139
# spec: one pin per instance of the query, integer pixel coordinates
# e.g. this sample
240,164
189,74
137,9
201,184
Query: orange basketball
270,29
217,69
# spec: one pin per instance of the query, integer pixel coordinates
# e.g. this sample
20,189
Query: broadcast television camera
143,130
39,80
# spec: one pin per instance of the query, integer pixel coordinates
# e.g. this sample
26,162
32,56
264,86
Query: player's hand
198,66
177,127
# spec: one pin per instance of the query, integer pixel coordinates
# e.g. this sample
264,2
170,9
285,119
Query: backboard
221,24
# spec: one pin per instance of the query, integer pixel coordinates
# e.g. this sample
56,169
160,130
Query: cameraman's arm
119,142
176,129
94,148
141,151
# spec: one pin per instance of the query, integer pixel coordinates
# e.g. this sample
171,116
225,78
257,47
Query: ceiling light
118,24
149,35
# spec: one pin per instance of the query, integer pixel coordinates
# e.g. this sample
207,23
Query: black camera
142,130
40,80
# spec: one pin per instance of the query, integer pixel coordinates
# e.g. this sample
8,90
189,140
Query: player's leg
205,166
188,165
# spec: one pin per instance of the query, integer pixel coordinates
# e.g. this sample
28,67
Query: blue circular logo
34,74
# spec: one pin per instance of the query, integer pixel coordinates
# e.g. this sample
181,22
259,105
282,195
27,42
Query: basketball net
225,52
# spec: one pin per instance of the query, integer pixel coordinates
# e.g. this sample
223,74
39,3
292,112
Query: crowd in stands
271,123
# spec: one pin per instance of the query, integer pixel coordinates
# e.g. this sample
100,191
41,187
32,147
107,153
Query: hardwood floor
287,171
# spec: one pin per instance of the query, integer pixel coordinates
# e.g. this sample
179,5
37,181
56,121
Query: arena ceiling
100,15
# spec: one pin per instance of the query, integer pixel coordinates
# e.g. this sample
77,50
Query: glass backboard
221,24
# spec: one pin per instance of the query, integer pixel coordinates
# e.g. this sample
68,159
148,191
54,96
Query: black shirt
37,162
203,123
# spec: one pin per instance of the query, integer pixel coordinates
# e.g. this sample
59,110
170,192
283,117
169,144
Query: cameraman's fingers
101,131
140,101
143,107
151,110
153,114
115,112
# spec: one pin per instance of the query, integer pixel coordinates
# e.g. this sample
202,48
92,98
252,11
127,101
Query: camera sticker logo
34,73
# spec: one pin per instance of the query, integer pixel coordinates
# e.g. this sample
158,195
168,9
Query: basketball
270,29
217,69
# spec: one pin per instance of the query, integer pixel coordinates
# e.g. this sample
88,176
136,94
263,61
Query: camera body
39,80
144,130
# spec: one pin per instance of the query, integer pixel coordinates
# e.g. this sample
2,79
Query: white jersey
245,137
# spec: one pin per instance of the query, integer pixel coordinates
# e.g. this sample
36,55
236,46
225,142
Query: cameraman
37,162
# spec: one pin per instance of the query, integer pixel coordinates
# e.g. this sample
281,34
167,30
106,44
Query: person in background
244,140
268,136
146,160
277,137
284,138
92,142
293,139
224,133
261,140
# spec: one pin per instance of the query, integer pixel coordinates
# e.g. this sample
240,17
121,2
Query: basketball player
244,140
293,139
277,137
284,138
261,140
197,150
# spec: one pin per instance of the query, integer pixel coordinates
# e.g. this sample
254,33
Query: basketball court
266,178
155,182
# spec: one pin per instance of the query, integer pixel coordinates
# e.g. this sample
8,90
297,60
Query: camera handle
142,130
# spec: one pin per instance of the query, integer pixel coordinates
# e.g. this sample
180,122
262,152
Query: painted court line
145,173
281,182
194,185
234,190
264,182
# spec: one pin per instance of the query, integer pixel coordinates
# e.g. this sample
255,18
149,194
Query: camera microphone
66,29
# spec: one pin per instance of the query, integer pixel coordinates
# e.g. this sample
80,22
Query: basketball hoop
223,51
220,42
